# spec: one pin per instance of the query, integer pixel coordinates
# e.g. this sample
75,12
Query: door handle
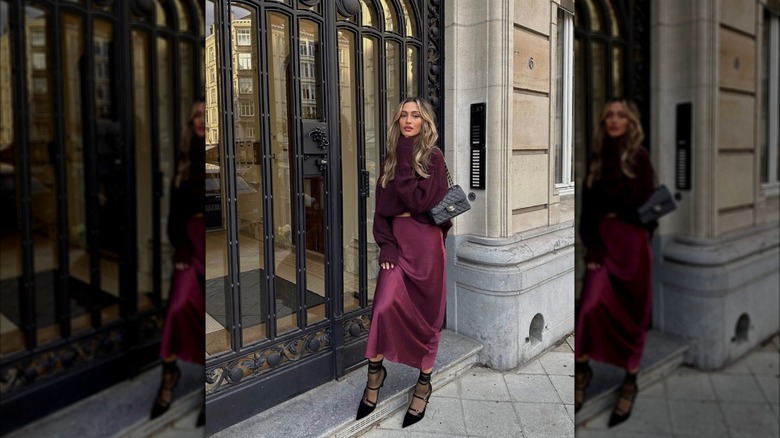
319,136
322,164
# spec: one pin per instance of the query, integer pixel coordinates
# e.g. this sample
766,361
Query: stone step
663,354
329,410
123,409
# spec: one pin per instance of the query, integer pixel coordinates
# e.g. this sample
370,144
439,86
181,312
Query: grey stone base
721,295
514,295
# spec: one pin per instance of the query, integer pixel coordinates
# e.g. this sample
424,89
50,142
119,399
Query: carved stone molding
261,362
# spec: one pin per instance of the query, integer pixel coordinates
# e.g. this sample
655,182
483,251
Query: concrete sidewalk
535,400
741,400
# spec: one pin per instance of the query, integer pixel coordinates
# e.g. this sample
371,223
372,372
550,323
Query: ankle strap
374,367
424,378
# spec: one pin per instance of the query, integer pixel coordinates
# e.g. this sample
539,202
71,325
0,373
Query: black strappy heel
627,392
161,405
582,377
413,415
367,406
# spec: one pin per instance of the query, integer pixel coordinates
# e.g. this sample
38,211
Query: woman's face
411,120
616,122
199,120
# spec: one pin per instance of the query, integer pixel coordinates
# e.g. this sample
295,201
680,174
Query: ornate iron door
299,93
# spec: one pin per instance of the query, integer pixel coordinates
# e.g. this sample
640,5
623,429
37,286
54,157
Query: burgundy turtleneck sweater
407,192
187,200
614,193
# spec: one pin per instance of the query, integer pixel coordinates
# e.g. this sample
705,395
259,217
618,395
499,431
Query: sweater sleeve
419,195
589,223
383,229
635,191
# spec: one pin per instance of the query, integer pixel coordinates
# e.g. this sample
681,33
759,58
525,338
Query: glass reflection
351,170
412,66
282,155
218,338
373,159
411,23
73,83
391,19
43,173
11,336
393,72
145,199
313,185
369,15
249,179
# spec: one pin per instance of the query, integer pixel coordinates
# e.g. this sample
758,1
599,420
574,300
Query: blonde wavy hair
185,155
424,143
631,142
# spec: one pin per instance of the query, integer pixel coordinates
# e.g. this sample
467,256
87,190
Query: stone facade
717,258
511,258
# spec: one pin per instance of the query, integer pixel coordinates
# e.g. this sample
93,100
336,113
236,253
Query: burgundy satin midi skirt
184,333
410,298
617,297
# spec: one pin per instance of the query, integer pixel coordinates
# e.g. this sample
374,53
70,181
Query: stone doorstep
181,408
124,407
663,354
329,410
457,354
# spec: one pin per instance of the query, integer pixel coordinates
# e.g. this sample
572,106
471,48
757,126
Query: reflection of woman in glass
615,306
184,332
410,290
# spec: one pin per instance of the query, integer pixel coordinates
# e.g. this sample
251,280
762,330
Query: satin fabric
185,322
617,297
410,298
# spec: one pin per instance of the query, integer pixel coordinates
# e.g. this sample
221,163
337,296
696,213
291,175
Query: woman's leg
377,374
626,398
170,377
375,379
420,397
582,376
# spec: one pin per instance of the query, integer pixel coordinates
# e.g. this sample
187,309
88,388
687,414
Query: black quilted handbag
453,204
659,204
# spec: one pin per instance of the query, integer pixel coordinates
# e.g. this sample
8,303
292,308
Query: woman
185,326
615,304
410,290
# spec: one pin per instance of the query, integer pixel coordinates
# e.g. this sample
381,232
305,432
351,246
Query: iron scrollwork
262,362
356,327
435,59
54,362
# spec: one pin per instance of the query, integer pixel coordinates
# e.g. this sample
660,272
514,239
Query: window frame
771,185
565,184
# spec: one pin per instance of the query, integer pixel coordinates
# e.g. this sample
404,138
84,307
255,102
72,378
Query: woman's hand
593,266
387,265
181,266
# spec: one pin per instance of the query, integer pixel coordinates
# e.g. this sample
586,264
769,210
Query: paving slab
697,417
689,384
539,420
740,400
495,419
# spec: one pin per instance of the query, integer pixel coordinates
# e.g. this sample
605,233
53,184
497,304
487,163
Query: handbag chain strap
449,178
